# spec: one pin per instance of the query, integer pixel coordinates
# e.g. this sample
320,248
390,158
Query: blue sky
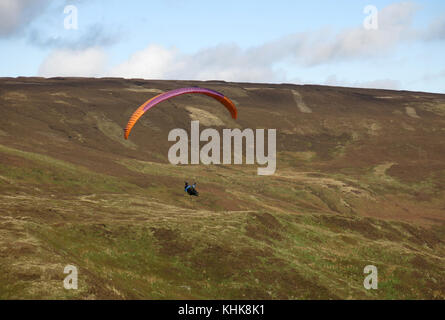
318,42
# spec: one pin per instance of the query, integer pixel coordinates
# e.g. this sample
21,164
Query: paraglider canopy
177,92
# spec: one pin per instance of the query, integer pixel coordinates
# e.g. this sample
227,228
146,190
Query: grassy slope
306,232
135,246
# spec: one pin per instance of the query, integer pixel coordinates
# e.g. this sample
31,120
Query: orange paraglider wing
177,92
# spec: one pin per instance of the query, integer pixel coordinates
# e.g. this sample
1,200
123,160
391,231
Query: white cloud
90,62
389,84
434,76
16,14
257,64
227,62
230,62
92,36
152,62
436,30
394,24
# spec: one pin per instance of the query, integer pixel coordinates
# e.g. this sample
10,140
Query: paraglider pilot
191,189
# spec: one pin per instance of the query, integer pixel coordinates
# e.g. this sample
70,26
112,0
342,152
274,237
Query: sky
396,45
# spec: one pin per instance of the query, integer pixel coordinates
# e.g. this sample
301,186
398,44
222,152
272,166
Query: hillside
360,180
